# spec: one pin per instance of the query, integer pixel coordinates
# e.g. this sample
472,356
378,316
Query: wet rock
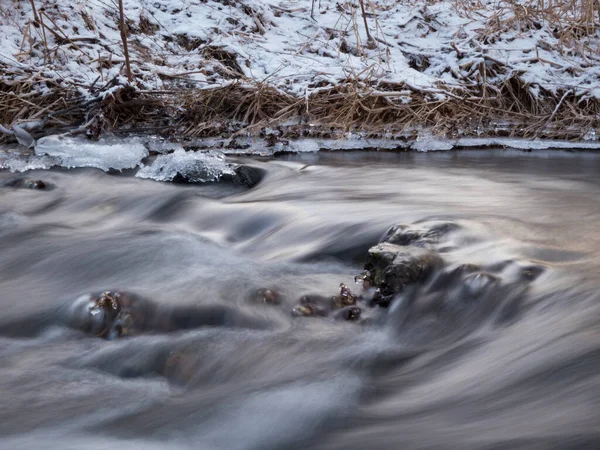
450,276
427,236
248,176
394,267
180,366
267,296
365,279
350,313
346,297
312,306
476,283
28,183
109,315
531,273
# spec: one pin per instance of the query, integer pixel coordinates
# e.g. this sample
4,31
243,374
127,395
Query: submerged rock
318,305
267,296
427,236
350,313
531,273
28,183
478,283
110,315
312,306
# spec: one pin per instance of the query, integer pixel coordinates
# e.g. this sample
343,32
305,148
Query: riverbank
282,70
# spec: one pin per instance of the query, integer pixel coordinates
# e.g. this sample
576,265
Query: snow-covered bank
210,159
455,67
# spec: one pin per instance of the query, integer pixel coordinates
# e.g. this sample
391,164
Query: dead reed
489,97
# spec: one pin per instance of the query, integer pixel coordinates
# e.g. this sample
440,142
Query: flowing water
517,367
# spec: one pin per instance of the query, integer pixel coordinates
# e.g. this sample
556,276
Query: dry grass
352,106
360,103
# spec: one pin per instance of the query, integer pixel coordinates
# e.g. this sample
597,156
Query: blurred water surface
257,378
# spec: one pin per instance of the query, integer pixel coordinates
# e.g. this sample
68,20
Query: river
503,371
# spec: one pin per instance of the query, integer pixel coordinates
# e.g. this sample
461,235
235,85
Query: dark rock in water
350,313
427,236
531,273
393,267
248,176
313,306
477,283
346,297
115,314
264,295
110,315
27,183
450,276
365,279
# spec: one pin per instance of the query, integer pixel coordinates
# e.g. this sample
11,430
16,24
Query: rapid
514,365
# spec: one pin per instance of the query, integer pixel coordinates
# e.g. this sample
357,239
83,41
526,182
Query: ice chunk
105,154
591,135
428,142
191,166
18,162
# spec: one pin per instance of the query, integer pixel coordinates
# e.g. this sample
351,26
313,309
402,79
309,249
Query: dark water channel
516,367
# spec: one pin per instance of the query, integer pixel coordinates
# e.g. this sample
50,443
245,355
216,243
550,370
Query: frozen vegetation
277,69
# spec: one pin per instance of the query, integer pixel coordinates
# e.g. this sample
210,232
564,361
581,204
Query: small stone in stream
268,296
311,306
365,279
307,310
27,183
180,366
476,283
531,273
112,314
350,313
108,317
406,235
346,297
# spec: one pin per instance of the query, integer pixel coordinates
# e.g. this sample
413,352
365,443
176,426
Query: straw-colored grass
359,103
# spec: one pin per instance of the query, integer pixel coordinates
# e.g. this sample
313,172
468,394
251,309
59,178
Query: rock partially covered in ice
105,154
187,166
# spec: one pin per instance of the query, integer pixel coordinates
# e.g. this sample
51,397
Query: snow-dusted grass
520,67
